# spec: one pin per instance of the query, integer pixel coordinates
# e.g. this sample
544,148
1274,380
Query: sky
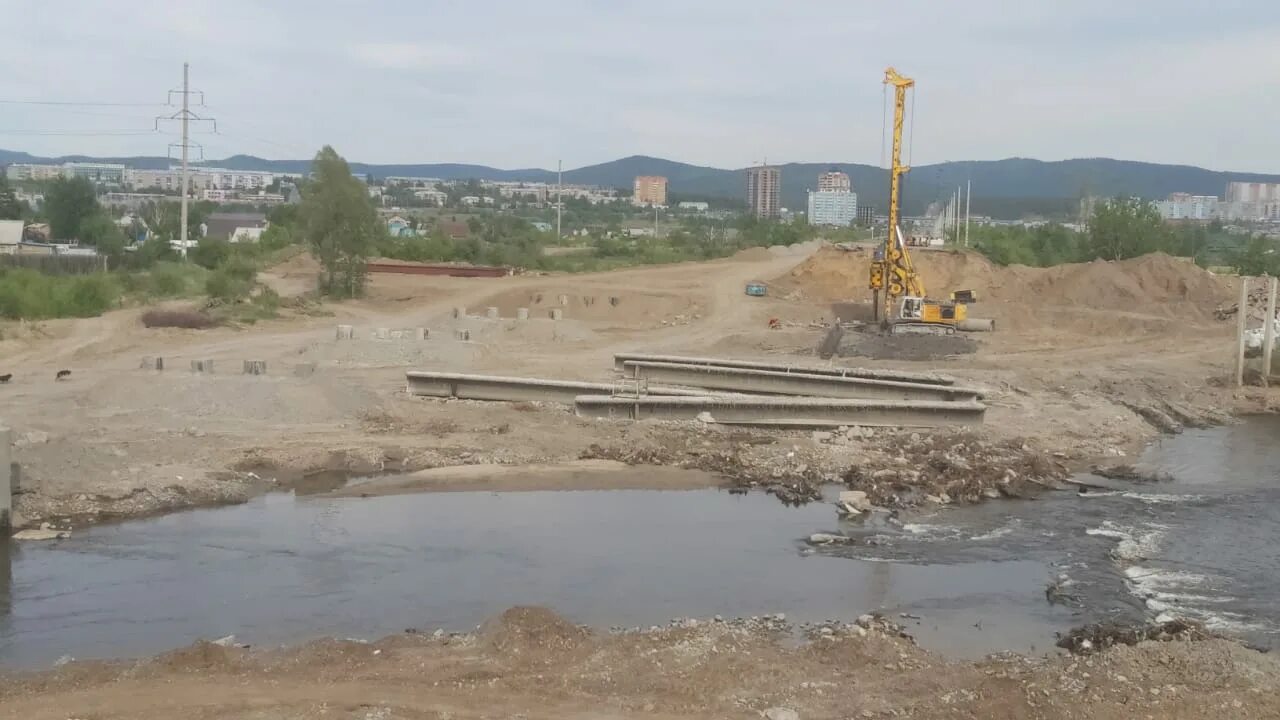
724,83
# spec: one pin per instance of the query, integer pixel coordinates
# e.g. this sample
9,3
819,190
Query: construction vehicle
906,307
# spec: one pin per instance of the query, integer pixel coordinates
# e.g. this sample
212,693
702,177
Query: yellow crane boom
893,271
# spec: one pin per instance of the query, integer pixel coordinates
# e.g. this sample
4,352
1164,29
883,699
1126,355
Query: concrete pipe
977,325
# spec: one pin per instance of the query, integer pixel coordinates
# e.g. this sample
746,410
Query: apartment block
764,184
650,190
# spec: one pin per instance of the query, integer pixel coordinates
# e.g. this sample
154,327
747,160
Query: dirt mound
531,628
754,254
1152,285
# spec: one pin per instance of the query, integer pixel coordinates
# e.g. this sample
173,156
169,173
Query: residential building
221,226
98,173
834,181
866,215
541,226
29,171
763,186
532,193
694,206
131,201
435,197
836,208
1248,192
650,190
169,180
1183,206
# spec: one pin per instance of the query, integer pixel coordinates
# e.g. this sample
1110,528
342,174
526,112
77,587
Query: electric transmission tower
185,116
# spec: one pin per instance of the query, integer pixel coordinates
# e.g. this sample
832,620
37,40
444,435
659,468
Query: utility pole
559,188
968,205
186,117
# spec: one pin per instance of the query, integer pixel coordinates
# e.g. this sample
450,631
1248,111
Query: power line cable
63,103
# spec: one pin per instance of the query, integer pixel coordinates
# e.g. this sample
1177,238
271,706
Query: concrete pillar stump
491,313
255,367
557,314
463,335
459,312
152,363
522,313
422,334
346,332
201,366
304,369
564,299
382,334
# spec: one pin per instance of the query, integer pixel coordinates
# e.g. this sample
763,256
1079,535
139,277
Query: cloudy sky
715,82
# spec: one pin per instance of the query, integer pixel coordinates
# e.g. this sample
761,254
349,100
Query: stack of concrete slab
736,392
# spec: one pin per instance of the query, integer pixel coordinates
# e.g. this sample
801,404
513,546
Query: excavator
892,272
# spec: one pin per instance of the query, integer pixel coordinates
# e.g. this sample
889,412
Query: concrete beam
767,382
515,389
785,412
6,482
621,359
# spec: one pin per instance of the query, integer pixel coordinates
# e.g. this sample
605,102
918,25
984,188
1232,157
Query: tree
340,223
1125,227
10,208
1258,256
68,202
100,231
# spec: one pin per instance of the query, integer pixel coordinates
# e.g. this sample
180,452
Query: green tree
67,203
100,231
340,223
1126,227
1258,256
10,208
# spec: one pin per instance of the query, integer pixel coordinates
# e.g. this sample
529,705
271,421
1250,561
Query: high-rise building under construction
764,183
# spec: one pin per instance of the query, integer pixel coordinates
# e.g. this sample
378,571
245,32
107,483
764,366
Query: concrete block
399,334
346,332
421,334
152,363
306,369
564,300
491,313
201,366
459,313
464,335
382,334
557,314
522,313
6,479
255,367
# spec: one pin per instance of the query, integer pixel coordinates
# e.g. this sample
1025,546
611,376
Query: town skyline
579,83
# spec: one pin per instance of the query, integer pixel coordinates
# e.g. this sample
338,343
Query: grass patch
31,295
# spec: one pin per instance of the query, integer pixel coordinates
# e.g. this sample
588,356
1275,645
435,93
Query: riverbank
532,663
116,440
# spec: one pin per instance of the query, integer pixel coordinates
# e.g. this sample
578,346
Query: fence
57,264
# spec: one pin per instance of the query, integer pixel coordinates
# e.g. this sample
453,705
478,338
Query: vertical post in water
1242,314
6,480
1269,331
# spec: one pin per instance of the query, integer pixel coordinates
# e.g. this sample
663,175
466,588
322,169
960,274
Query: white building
246,235
30,171
1248,192
694,206
1182,206
436,197
834,208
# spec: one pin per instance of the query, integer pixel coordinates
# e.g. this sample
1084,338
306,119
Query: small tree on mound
340,223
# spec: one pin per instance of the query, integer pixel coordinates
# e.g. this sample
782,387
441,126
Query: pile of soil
1151,286
879,346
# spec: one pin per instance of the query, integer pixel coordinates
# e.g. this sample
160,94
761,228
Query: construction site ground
1089,363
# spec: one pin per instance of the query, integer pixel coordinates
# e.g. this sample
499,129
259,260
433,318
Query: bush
31,295
224,285
172,279
189,319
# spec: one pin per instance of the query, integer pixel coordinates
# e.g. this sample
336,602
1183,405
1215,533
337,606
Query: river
965,581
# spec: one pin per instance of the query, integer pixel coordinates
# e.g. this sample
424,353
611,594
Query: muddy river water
285,569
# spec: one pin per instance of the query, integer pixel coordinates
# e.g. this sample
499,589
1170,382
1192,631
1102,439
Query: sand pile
1156,285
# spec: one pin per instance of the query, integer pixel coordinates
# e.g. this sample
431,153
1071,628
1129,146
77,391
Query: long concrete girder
785,412
495,387
620,361
767,382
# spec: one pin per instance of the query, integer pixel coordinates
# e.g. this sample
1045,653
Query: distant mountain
1005,188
